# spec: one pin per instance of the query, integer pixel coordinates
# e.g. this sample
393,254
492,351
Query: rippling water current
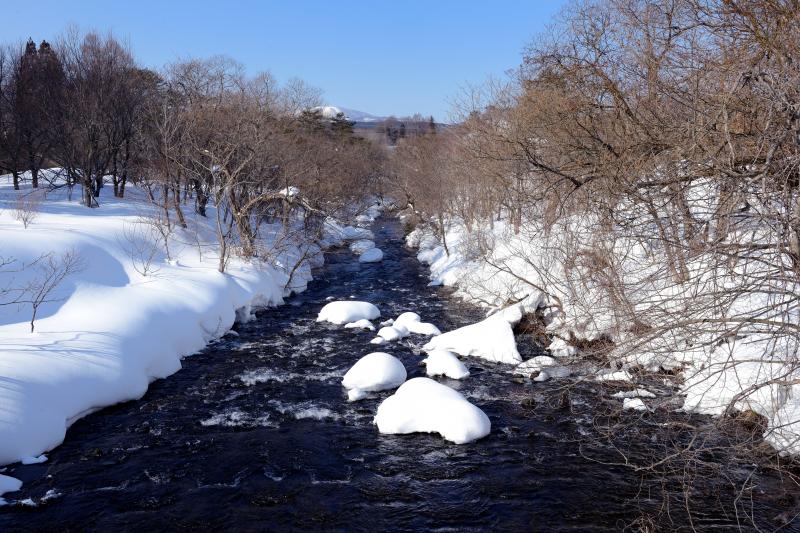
255,433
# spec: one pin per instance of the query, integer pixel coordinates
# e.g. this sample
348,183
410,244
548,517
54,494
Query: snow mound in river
444,363
421,405
373,255
374,372
491,339
393,333
344,311
413,323
351,233
8,484
359,247
360,324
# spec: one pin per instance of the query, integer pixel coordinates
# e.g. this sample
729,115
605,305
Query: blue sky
383,57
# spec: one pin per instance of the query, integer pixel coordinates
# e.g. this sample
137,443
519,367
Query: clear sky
383,57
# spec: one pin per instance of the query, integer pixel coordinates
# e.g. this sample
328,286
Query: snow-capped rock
421,405
444,363
360,324
359,247
373,255
374,372
344,311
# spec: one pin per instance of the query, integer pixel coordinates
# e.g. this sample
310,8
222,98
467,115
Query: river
255,433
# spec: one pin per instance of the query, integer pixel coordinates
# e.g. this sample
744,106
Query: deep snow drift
421,405
127,317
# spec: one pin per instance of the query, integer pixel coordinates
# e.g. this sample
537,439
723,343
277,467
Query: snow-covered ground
547,269
128,313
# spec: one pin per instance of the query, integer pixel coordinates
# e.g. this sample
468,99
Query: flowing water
255,433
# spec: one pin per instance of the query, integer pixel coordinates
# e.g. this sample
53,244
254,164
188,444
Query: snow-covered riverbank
491,266
128,313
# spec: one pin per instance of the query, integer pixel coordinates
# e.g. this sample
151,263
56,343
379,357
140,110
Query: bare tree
26,207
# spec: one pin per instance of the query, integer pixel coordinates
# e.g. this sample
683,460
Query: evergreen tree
341,127
38,84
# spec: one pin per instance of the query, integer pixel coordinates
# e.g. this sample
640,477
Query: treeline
651,150
198,131
394,129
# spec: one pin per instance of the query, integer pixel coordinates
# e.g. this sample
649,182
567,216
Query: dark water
255,433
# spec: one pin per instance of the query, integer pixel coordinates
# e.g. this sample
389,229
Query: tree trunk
123,180
794,234
88,192
176,203
15,175
443,231
97,184
202,198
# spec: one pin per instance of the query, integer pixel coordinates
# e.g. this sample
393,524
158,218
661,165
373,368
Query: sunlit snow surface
256,432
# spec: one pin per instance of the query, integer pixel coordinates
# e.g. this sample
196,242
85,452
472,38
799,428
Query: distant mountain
360,116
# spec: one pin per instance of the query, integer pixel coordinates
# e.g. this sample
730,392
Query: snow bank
743,357
115,326
491,339
444,363
373,255
374,372
421,405
344,311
